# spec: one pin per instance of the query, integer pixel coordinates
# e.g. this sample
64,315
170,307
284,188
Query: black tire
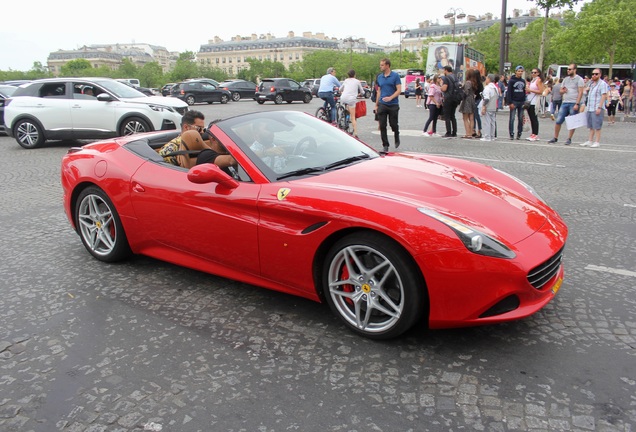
278,99
190,100
379,305
289,102
99,226
236,96
367,94
260,102
341,115
321,113
28,134
307,98
134,125
225,99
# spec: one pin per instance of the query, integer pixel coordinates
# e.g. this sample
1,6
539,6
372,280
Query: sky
29,36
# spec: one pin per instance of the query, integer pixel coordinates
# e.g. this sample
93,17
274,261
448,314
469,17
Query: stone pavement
147,346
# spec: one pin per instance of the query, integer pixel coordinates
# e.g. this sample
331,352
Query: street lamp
350,40
508,31
454,14
401,30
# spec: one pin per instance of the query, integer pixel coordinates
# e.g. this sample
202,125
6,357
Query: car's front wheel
224,99
99,226
373,285
278,99
134,125
260,102
236,96
28,134
190,100
307,98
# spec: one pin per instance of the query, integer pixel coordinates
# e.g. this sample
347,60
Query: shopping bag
361,109
526,123
576,121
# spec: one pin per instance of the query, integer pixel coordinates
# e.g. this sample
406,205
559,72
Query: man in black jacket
515,97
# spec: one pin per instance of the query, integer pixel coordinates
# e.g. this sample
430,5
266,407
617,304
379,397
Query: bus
408,75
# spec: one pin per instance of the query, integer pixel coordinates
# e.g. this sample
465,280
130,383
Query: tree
151,75
546,5
525,45
185,67
601,33
76,68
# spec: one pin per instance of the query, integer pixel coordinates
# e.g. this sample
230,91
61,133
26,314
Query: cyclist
349,92
326,89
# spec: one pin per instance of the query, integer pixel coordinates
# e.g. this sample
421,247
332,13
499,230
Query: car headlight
522,183
160,108
474,240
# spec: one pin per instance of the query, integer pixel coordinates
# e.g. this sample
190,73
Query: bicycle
343,118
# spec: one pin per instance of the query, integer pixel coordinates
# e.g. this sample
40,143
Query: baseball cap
519,68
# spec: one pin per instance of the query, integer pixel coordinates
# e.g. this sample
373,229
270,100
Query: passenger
190,149
264,147
88,91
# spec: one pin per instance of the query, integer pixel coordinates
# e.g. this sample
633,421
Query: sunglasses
535,72
570,69
596,74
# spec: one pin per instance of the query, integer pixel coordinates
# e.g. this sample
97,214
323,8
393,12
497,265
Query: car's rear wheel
236,96
28,134
99,226
134,125
190,100
307,98
260,102
224,99
373,285
278,99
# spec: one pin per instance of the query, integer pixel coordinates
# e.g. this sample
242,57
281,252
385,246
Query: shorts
565,110
595,121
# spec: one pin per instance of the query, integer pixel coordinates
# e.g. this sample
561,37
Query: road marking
611,270
630,205
499,160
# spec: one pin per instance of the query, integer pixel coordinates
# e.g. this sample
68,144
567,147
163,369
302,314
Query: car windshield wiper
303,171
347,161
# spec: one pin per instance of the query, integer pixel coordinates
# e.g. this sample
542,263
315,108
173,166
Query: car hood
474,194
159,100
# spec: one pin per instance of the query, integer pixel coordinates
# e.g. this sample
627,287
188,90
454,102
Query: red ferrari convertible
384,239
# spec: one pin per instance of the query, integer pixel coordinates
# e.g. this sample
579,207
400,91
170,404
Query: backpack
458,94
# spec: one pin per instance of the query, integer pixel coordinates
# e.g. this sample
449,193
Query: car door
296,91
51,106
92,118
209,92
203,220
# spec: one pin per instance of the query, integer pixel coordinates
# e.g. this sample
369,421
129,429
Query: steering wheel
304,144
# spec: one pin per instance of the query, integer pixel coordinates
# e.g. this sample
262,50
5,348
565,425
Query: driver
264,147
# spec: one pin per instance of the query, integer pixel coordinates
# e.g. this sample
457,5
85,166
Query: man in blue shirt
325,91
387,103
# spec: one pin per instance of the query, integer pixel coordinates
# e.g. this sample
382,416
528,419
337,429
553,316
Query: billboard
457,55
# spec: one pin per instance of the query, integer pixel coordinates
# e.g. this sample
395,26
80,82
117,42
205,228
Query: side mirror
104,97
210,173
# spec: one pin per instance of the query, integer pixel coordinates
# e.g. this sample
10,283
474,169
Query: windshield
287,144
7,90
120,90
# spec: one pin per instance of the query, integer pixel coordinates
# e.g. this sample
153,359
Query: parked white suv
85,108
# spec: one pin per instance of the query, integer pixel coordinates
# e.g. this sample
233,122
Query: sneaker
552,141
518,137
552,117
512,137
594,145
586,144
535,138
485,139
448,135
532,137
426,134
568,141
385,149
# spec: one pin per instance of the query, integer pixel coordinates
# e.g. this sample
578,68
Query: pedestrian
488,105
467,106
572,87
387,104
595,108
557,98
502,84
534,91
434,102
418,93
478,95
515,99
627,94
614,98
449,83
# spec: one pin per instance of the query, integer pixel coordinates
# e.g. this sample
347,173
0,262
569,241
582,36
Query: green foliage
525,44
487,42
77,68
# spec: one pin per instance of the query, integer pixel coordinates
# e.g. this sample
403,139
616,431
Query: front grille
541,274
182,111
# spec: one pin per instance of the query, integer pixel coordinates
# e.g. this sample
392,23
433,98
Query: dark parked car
239,88
312,84
197,91
5,92
282,89
410,90
165,90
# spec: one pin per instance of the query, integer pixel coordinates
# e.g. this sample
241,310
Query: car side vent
541,274
313,227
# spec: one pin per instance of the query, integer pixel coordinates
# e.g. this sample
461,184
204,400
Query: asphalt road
144,345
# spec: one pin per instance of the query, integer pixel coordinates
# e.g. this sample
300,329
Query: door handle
138,188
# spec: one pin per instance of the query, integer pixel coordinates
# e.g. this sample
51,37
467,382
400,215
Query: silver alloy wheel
236,96
134,126
28,134
366,289
97,225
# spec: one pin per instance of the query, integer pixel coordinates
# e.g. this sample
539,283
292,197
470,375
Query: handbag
361,109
